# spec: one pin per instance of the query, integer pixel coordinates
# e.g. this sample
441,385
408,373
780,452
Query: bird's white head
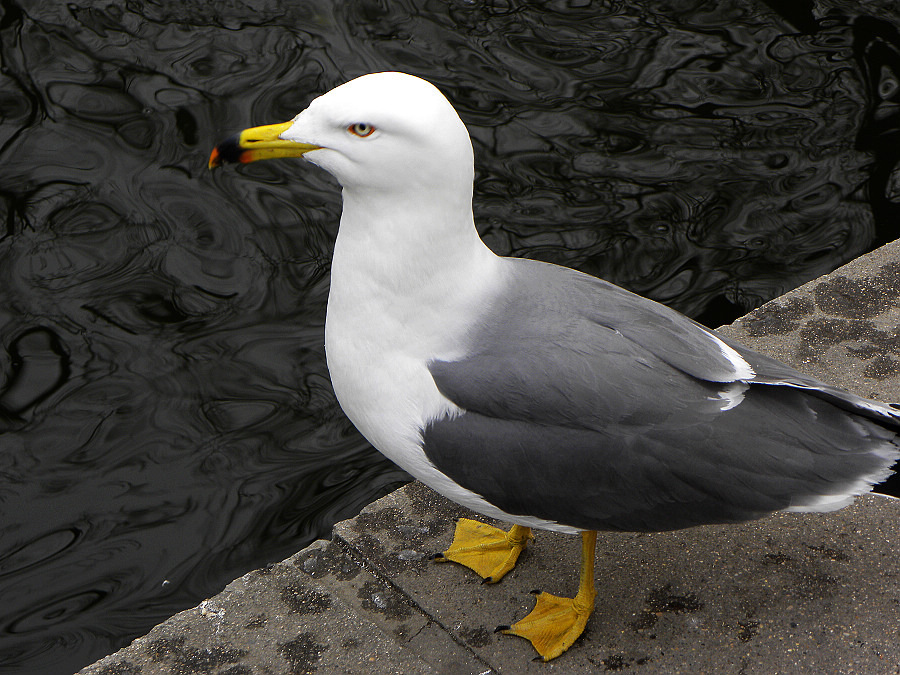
404,159
383,132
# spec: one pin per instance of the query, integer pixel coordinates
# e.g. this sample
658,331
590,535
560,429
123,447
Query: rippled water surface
167,417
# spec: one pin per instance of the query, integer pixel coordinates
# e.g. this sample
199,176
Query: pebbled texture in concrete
793,593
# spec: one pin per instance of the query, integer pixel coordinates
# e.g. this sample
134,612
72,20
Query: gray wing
590,406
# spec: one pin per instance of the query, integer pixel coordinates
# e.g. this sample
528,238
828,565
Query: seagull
533,393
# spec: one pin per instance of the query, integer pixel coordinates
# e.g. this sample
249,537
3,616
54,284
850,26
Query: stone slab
279,619
792,593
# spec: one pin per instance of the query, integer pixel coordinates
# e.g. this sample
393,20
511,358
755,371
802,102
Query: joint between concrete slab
369,566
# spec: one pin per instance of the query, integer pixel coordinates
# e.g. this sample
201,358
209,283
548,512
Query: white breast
392,310
380,337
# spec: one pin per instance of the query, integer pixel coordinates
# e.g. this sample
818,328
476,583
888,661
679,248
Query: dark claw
487,580
436,556
500,629
536,591
539,659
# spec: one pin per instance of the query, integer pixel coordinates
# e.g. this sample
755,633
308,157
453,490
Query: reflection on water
167,417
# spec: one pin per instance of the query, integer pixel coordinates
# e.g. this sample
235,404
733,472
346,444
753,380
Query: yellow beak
258,143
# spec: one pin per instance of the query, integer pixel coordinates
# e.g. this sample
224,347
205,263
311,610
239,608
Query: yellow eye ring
361,129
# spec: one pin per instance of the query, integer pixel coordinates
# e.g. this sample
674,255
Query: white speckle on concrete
209,609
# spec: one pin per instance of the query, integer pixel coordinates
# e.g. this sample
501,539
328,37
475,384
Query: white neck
411,263
405,289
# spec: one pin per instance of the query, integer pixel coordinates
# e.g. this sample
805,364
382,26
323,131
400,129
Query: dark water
167,417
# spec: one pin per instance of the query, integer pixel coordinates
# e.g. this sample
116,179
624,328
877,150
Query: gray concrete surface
813,593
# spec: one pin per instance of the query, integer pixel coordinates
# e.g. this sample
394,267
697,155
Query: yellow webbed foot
554,624
487,550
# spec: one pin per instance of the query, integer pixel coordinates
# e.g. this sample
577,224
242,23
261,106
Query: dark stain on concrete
424,500
824,332
409,550
889,278
332,559
747,630
615,662
818,335
303,600
815,584
852,298
776,559
882,367
645,621
864,352
620,661
386,518
849,306
369,547
205,660
878,347
437,526
394,522
477,637
237,670
302,653
663,600
416,535
882,341
830,553
187,660
121,668
381,598
777,319
163,648
400,558
397,543
257,621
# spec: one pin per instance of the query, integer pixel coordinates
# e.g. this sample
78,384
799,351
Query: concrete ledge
843,328
791,593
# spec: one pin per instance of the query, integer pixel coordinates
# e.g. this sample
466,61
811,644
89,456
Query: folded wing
590,406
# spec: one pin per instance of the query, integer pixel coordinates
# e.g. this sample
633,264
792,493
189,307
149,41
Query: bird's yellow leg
488,550
555,623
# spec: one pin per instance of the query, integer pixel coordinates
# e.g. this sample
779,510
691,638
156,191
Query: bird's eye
361,129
